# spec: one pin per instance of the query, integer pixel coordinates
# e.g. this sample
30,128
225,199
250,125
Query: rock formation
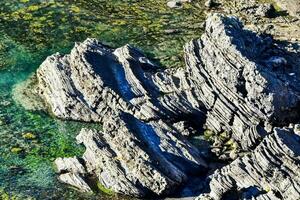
236,82
244,81
271,171
139,152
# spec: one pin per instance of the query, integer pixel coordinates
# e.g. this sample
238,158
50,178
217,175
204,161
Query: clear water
30,30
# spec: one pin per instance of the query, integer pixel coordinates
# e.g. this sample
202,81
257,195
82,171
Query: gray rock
271,171
241,91
72,172
139,151
93,81
136,158
235,82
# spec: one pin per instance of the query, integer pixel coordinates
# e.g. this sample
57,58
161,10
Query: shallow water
30,30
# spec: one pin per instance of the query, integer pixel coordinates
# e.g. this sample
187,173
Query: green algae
149,25
31,30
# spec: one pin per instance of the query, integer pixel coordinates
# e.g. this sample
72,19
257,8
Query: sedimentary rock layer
271,171
136,153
244,81
93,81
235,81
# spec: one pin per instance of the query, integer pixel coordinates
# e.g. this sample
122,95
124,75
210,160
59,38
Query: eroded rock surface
236,82
93,81
271,171
245,82
139,152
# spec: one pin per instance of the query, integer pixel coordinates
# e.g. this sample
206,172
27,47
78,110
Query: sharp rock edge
137,153
270,172
234,79
242,80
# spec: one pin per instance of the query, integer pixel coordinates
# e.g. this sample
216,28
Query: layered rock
93,81
271,171
133,157
235,82
244,81
139,152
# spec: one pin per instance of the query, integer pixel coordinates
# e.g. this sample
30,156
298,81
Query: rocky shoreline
242,86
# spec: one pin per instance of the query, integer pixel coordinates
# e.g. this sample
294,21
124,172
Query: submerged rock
271,171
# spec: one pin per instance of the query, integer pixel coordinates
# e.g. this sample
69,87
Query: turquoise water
30,30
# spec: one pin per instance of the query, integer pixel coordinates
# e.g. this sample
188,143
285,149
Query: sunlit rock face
243,79
93,81
139,152
271,171
234,81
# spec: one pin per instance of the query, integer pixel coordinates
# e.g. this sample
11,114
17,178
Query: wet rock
227,67
269,172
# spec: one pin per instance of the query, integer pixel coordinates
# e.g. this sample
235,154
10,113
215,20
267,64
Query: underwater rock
271,171
244,94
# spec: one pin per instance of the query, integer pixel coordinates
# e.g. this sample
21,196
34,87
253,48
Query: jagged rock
137,153
271,171
236,80
136,158
72,172
94,81
230,70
